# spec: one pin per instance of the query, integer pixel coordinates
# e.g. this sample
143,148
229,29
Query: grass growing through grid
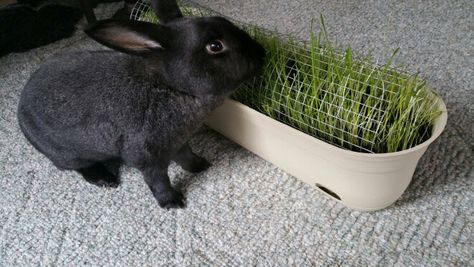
351,103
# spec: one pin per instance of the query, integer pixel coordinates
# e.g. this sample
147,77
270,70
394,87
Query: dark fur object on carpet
24,26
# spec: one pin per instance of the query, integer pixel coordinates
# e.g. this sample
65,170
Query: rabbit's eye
215,47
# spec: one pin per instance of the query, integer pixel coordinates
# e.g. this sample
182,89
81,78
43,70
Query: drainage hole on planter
329,192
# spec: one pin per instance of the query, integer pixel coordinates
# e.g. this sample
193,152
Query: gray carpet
244,211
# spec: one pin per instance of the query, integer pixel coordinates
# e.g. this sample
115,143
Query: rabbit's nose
260,54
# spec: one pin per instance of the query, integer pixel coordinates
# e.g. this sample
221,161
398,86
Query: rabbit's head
199,56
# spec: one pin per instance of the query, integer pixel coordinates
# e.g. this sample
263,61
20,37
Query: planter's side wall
360,183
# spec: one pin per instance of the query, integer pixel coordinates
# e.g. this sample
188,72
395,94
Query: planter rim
438,127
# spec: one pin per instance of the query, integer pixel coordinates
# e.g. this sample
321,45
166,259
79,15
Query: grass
329,94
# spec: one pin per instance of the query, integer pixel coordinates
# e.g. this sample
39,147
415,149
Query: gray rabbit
140,104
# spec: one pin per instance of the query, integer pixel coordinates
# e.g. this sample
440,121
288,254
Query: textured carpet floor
244,211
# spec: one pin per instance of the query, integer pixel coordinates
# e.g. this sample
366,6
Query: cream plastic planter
360,181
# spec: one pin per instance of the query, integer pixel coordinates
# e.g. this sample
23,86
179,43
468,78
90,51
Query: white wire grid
286,95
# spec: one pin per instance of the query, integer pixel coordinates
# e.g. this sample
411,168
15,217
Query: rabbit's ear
133,37
166,10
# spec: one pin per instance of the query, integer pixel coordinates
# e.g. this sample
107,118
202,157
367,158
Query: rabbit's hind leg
98,174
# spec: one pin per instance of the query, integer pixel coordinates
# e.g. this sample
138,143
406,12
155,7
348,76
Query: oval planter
361,181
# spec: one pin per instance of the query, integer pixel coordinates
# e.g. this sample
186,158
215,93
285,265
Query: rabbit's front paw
190,161
112,182
198,164
170,199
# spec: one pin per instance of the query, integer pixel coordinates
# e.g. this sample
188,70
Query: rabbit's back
68,86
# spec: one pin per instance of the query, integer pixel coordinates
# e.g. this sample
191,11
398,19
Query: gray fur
141,107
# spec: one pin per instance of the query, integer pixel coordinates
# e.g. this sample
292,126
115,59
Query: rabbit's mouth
257,53
257,64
